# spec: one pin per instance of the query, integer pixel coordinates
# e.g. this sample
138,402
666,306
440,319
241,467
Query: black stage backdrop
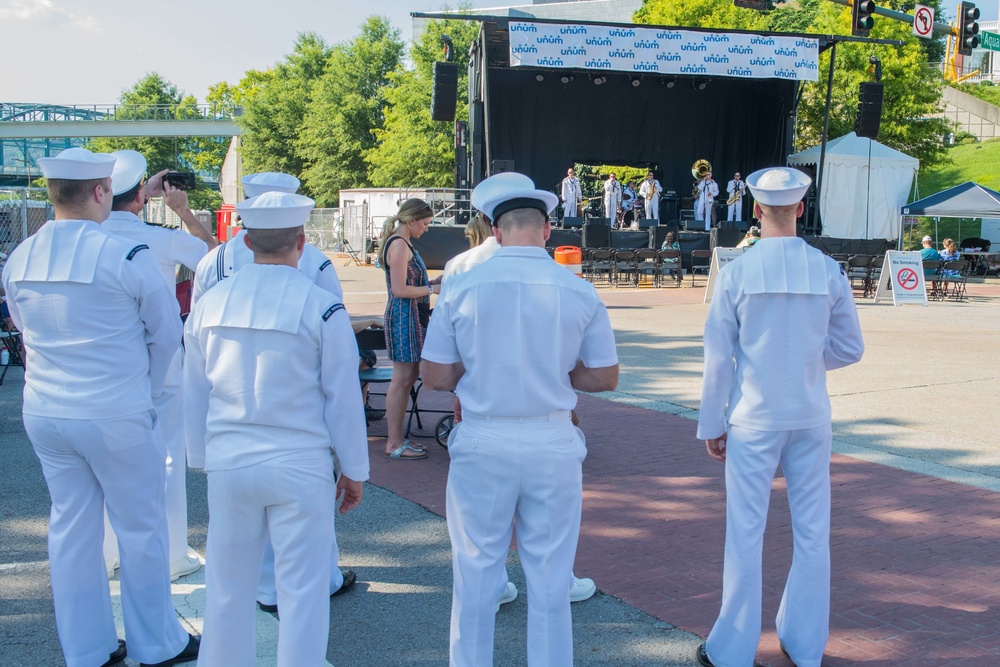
546,126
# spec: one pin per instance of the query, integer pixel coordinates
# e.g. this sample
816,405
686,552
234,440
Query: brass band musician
736,188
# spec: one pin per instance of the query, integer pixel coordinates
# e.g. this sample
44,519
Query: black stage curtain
546,126
439,244
832,246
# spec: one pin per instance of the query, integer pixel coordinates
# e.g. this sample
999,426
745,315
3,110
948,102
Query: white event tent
864,185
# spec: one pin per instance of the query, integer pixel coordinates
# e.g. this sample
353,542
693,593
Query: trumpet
699,170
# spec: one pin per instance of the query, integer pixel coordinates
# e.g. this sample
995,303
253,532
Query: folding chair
701,260
955,274
352,254
859,269
10,341
932,277
647,263
374,339
669,260
626,268
602,266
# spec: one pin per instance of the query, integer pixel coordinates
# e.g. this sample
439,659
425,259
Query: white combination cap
275,210
269,181
509,191
130,167
778,186
77,164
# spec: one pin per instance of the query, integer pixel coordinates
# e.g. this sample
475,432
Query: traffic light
968,29
862,12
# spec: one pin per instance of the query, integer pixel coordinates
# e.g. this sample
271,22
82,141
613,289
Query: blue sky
87,51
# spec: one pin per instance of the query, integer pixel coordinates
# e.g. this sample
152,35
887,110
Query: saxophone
737,194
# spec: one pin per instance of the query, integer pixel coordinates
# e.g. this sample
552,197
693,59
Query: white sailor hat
77,164
508,191
275,210
778,186
130,168
269,181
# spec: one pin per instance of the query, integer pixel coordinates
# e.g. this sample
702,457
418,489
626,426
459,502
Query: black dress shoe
269,608
782,647
702,656
117,659
189,653
350,578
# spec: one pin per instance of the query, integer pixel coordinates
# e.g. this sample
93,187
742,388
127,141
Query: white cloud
45,11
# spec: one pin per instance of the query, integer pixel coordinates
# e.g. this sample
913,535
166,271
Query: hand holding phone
182,180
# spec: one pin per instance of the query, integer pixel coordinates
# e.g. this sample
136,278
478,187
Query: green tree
912,84
412,149
274,107
347,108
153,97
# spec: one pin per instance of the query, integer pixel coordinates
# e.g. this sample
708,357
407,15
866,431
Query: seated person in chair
929,254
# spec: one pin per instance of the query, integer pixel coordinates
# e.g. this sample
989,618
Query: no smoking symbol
907,279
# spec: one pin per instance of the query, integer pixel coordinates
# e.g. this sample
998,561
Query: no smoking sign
923,21
907,279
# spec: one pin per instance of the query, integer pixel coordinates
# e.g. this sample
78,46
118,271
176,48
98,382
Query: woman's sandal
399,453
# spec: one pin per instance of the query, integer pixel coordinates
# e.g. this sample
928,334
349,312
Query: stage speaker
648,223
869,110
572,222
444,95
668,210
596,235
724,237
658,234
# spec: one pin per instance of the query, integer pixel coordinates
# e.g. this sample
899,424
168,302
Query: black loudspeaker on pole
869,110
444,96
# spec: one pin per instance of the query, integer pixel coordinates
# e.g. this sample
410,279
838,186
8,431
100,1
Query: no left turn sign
923,21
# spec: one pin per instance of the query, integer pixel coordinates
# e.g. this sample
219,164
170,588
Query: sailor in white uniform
516,454
169,247
781,317
737,186
571,194
704,205
222,263
271,396
612,199
650,191
100,329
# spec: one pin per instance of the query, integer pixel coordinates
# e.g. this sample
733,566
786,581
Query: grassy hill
969,162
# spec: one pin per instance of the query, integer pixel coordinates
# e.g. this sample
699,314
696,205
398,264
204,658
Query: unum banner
663,51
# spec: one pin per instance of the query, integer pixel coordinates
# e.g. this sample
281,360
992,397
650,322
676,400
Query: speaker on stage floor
648,223
596,234
572,222
725,237
444,94
668,210
658,234
869,110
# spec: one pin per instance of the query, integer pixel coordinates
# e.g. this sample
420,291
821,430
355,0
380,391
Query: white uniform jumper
781,316
736,208
612,200
650,191
707,192
170,247
222,262
271,392
572,195
462,262
100,329
516,454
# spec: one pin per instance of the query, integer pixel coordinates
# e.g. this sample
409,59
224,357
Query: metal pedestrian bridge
52,121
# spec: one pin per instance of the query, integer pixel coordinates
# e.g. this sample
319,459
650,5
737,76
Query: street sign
923,21
989,40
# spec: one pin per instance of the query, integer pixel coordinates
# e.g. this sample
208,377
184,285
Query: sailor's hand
717,447
349,493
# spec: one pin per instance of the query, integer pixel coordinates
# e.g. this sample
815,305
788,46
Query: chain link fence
22,212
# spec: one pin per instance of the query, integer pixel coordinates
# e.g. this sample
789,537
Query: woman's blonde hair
949,245
478,230
409,210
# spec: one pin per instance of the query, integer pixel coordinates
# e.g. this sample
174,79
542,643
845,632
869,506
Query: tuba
698,170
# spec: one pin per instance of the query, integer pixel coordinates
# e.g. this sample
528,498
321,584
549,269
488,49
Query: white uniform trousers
703,212
571,208
169,406
803,620
267,591
735,211
292,497
502,469
653,208
119,463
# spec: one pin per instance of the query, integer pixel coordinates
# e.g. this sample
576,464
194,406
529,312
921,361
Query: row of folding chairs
947,279
624,267
862,270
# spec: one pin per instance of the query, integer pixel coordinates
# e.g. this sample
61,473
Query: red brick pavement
916,577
